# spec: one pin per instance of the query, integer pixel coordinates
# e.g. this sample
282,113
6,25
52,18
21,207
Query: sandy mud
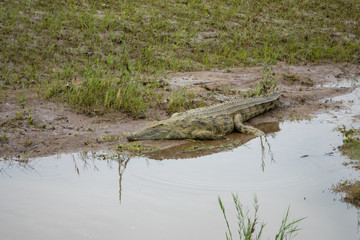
36,127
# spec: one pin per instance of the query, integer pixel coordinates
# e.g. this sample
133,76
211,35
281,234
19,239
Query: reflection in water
188,150
89,161
263,152
358,222
22,164
85,160
121,159
194,149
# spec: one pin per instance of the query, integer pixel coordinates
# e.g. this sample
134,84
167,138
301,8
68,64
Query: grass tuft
180,100
99,91
351,142
351,190
249,227
268,84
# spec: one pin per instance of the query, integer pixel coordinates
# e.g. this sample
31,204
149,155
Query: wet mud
105,195
36,127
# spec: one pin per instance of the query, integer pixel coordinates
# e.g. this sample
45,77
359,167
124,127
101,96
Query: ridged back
230,107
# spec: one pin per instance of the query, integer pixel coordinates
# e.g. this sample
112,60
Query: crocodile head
154,131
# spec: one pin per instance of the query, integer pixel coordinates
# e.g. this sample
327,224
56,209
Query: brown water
77,197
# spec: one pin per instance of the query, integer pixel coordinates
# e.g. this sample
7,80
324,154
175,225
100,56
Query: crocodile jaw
155,131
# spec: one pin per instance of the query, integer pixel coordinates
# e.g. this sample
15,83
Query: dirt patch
33,127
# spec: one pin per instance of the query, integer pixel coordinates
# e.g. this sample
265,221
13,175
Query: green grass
4,138
180,100
268,83
70,49
351,190
249,228
99,91
351,143
350,148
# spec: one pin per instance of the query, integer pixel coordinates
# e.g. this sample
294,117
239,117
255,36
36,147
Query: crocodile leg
240,127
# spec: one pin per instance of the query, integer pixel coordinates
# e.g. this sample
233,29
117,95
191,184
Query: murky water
77,197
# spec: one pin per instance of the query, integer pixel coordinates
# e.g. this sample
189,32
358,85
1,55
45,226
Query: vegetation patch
249,228
181,100
18,119
351,143
268,84
261,88
4,138
351,189
350,148
95,54
100,91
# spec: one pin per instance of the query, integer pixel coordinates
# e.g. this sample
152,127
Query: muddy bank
31,126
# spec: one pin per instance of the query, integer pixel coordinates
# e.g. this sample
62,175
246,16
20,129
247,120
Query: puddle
78,197
342,83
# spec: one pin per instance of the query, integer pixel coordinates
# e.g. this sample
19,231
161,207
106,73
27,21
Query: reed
249,227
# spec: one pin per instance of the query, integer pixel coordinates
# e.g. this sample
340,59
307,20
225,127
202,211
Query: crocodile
212,122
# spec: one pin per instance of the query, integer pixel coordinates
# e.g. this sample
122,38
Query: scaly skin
211,122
